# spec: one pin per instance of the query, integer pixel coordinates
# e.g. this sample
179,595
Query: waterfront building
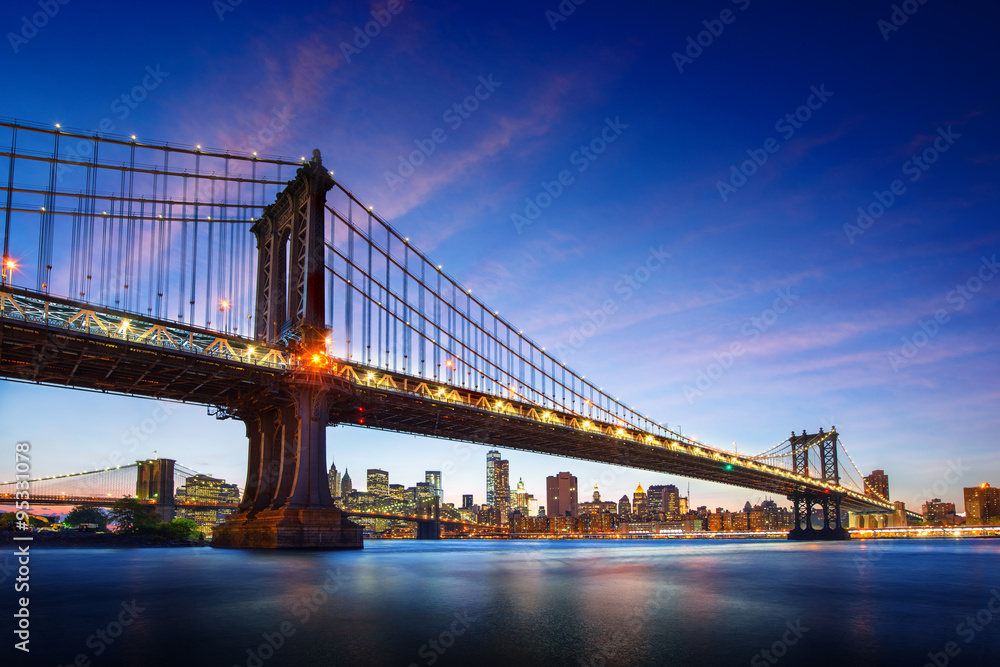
560,491
938,513
202,489
378,482
982,505
877,485
596,522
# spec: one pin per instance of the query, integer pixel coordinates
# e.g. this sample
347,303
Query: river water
521,603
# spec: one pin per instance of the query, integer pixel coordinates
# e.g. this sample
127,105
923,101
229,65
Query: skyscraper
877,485
560,495
521,498
378,482
467,501
624,508
345,485
334,480
433,477
671,500
492,457
655,504
982,505
501,490
639,507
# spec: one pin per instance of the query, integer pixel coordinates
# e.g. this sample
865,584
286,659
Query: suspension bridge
265,289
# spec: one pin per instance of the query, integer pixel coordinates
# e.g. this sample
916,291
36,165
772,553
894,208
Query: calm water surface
521,603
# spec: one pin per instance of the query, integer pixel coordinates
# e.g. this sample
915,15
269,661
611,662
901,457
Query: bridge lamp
729,466
224,304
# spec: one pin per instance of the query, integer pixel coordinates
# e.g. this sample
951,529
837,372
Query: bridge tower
286,501
155,481
430,511
804,502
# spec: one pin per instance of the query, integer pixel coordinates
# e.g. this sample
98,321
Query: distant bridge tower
287,501
804,502
155,481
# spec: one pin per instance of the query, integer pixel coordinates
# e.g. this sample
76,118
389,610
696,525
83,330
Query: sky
818,186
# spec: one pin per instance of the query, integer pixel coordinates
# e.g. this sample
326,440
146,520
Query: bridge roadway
55,341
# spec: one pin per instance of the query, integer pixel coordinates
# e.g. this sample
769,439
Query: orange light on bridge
223,305
449,363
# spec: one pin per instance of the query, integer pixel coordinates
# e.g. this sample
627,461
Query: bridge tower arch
286,501
804,501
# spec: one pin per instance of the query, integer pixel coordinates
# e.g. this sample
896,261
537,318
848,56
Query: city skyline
664,253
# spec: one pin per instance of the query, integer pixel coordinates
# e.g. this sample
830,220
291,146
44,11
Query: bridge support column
287,501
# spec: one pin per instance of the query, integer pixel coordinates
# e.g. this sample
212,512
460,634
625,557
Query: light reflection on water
519,603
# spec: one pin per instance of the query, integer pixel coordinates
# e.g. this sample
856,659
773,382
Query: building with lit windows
624,508
501,489
938,513
982,505
346,485
433,477
202,489
397,491
333,478
378,483
877,485
492,457
640,510
596,506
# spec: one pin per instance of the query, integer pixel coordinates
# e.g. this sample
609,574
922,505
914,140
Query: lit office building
624,508
501,489
938,513
433,477
397,491
378,483
202,489
492,457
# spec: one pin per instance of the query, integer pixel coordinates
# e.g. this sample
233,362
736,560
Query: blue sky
820,110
